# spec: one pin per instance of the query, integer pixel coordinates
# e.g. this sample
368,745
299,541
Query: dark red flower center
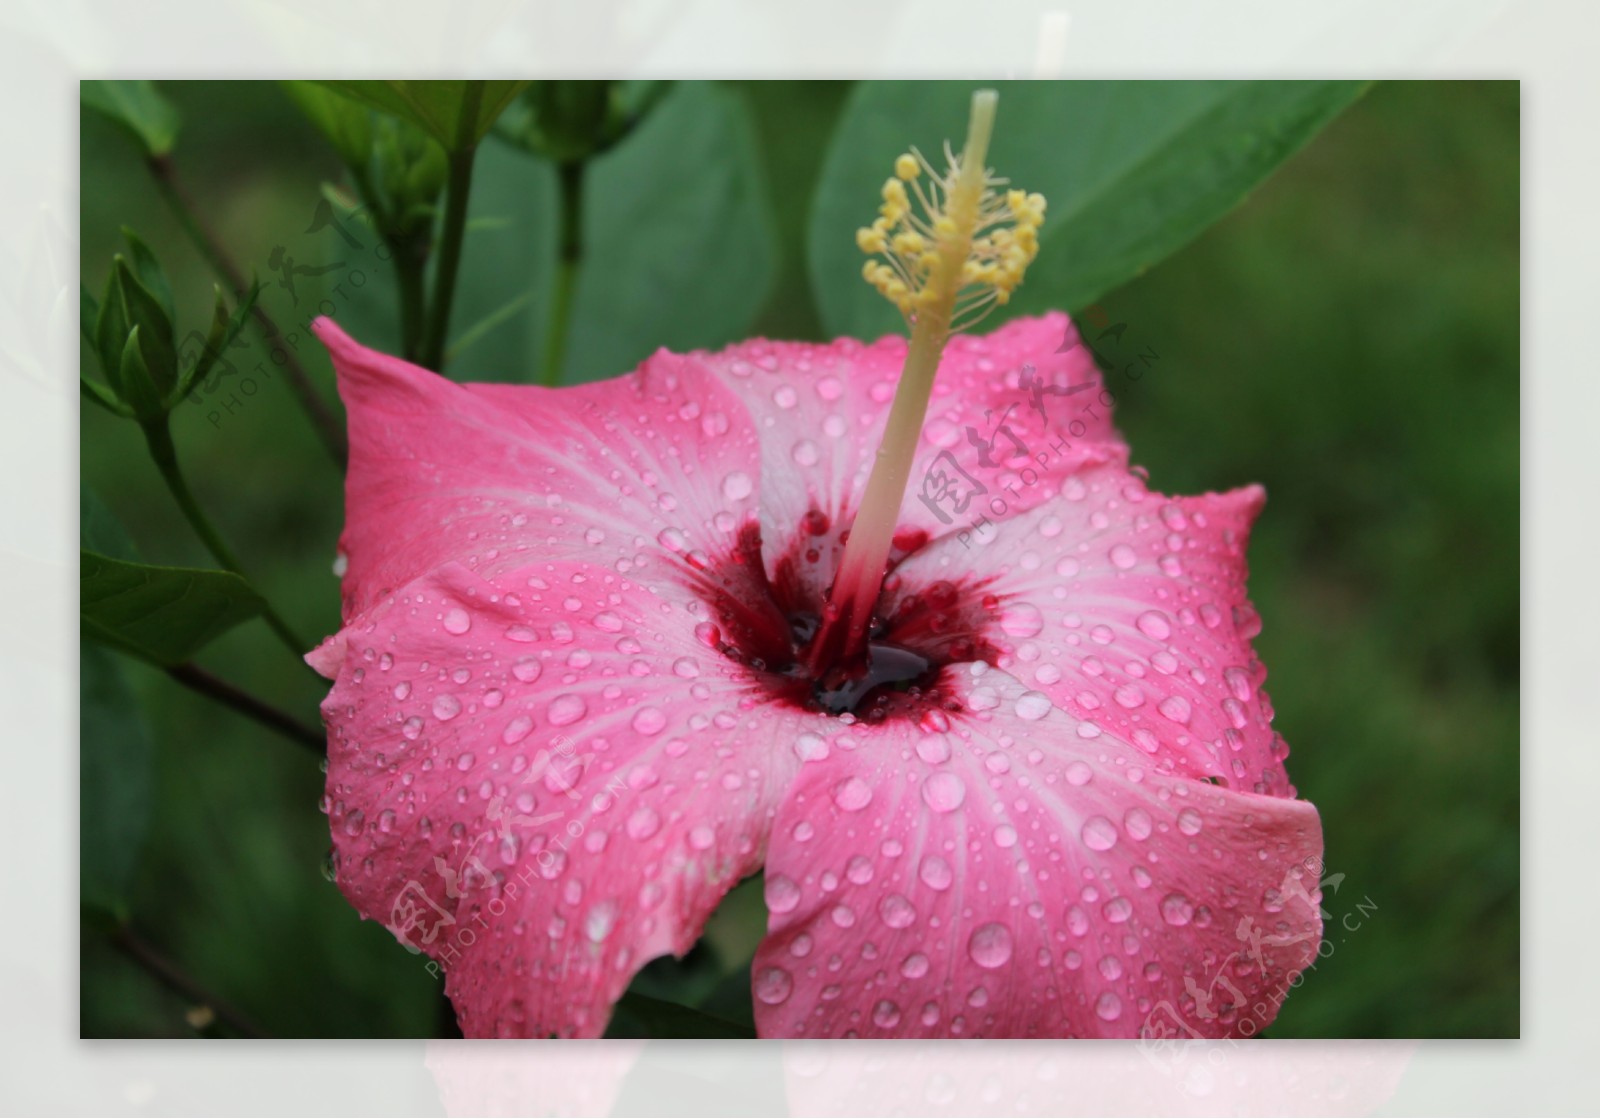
772,625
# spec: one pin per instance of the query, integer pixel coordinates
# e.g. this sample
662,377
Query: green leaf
99,530
456,113
679,248
161,614
225,327
346,124
1132,170
138,107
639,1016
150,273
114,784
138,388
97,393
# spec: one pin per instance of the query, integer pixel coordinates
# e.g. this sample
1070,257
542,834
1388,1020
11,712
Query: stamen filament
842,638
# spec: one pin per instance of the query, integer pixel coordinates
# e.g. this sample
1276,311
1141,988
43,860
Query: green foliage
1132,171
660,212
136,107
677,237
114,784
133,330
455,113
162,614
346,123
568,121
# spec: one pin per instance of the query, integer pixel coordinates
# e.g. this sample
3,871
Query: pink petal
536,797
1012,878
496,475
821,410
1129,609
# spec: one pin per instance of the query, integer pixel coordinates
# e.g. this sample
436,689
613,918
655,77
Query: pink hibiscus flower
590,677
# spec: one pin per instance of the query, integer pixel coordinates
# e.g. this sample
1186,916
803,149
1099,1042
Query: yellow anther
934,251
907,243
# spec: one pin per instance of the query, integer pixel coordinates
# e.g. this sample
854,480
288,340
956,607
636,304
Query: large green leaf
679,249
1132,171
345,122
138,107
162,614
114,784
444,109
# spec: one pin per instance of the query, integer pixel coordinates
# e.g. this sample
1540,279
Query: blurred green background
1348,337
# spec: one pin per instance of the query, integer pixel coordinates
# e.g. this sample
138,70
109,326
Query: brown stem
177,981
199,680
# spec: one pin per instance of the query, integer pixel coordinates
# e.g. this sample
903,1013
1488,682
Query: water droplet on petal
1189,822
782,893
600,921
1176,708
644,823
944,792
566,709
737,486
773,985
990,945
936,873
1099,834
1022,619
1176,909
649,720
446,706
1137,823
852,794
1108,1006
810,747
457,621
1032,706
897,912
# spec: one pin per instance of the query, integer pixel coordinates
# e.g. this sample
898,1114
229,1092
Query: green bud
139,389
150,274
129,305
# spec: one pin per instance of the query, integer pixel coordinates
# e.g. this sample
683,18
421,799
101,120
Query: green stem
571,252
457,189
409,251
159,439
322,418
198,680
410,257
